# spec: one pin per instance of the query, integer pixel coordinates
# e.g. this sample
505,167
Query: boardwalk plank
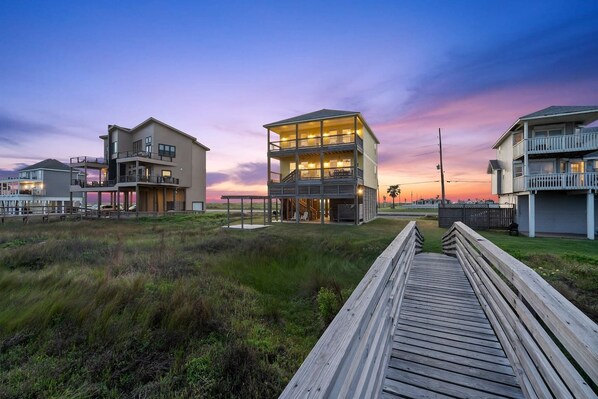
484,386
444,345
449,336
453,343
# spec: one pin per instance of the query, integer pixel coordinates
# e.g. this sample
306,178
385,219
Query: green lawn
570,265
406,209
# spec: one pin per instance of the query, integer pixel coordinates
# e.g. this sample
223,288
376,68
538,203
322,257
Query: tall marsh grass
169,307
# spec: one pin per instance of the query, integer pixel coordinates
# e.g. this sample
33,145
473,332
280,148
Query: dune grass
179,307
169,307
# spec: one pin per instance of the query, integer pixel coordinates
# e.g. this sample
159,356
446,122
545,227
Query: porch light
360,191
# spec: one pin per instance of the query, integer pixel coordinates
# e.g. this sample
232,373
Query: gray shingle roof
47,164
590,130
561,109
314,116
493,165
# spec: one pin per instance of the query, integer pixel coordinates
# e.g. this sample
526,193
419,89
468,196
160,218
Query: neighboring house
39,188
547,166
323,166
152,166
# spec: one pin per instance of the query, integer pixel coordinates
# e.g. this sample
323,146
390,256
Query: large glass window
541,167
166,150
148,144
137,146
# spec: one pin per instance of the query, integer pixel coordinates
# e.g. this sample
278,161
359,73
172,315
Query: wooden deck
444,346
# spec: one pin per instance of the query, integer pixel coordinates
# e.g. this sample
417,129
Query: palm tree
394,191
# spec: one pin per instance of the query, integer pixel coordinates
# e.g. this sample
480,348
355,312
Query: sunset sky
219,70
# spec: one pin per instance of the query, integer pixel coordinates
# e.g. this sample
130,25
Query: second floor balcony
167,180
314,175
556,181
326,142
556,144
124,180
144,155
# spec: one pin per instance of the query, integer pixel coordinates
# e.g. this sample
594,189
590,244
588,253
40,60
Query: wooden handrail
531,319
348,361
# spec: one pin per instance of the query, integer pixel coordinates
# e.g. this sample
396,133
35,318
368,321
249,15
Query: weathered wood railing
349,359
531,319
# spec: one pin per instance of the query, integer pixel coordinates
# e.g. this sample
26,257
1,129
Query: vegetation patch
569,265
171,307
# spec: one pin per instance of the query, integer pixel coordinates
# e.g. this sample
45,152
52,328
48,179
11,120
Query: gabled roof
583,114
558,110
159,122
314,116
47,164
322,115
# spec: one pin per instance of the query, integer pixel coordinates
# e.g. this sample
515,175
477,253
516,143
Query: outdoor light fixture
360,190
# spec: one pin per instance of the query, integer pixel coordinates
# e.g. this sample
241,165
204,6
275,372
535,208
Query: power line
419,182
466,181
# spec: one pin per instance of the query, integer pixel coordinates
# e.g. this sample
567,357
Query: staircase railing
349,359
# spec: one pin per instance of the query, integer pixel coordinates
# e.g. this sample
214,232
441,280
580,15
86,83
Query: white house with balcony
152,167
39,188
547,166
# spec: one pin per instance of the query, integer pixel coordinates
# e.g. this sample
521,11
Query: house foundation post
590,216
242,216
532,214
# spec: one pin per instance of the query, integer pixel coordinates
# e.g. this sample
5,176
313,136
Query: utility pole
441,168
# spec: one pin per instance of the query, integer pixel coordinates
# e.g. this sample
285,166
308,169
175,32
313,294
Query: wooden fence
350,358
479,217
531,319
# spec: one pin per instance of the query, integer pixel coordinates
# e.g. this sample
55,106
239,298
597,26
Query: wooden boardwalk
444,346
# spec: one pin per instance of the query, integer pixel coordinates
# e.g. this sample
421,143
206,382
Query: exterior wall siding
57,184
556,212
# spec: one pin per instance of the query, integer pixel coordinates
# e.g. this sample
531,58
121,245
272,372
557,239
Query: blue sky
220,70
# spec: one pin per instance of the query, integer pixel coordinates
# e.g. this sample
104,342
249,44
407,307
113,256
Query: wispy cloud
244,174
14,129
561,53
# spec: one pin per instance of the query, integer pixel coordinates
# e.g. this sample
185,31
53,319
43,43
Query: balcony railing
86,159
557,181
148,179
143,154
316,141
313,174
88,184
563,143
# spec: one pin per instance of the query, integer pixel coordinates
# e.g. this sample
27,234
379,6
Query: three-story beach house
152,167
39,188
323,167
547,166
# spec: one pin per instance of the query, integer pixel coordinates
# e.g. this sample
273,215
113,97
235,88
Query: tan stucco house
153,166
